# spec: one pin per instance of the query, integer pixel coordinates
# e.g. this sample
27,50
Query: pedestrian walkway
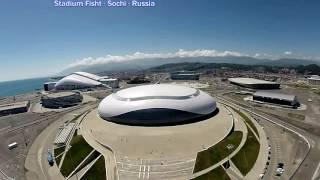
260,165
234,172
239,126
110,162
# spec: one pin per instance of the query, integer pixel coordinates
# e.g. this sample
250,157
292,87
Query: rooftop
88,75
314,77
108,79
250,81
13,105
77,79
185,73
50,82
60,94
275,95
159,90
157,104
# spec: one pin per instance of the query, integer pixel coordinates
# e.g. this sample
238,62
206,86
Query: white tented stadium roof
78,80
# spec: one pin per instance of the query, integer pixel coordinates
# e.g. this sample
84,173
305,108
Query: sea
12,88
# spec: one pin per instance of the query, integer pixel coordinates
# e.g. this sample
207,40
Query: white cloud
257,55
287,53
140,55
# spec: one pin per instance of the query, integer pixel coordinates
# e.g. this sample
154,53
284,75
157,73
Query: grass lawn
77,153
216,174
97,171
248,154
217,152
247,120
57,152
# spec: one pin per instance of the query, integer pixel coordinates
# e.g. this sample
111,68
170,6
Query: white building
48,86
157,104
314,80
254,83
112,83
84,80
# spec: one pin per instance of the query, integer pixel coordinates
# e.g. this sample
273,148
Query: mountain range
142,64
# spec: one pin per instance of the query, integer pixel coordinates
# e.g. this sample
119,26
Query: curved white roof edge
88,75
75,79
250,81
157,96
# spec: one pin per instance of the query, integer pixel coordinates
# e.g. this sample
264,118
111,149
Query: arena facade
61,99
153,105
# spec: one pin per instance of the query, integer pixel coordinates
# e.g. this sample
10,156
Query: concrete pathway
70,138
234,172
260,164
110,161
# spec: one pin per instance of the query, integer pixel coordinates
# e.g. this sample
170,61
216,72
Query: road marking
316,172
144,171
39,160
148,175
139,172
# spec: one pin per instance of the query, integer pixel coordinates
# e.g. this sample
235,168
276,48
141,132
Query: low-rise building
61,100
184,75
14,108
276,98
48,86
254,83
112,83
314,80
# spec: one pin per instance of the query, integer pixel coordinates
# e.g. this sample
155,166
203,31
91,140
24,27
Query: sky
38,39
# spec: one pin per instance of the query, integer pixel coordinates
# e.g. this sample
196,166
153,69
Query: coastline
21,87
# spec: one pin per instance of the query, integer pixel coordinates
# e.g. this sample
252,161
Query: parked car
12,145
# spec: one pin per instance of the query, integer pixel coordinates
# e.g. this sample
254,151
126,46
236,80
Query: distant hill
290,62
202,67
142,64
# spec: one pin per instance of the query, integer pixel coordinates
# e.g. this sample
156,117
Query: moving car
50,158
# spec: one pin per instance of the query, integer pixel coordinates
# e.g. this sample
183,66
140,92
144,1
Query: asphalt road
308,167
23,129
36,161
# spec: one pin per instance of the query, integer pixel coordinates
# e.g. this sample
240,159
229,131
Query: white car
261,176
269,147
279,171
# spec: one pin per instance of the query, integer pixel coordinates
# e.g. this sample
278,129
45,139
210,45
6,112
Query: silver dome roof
148,102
